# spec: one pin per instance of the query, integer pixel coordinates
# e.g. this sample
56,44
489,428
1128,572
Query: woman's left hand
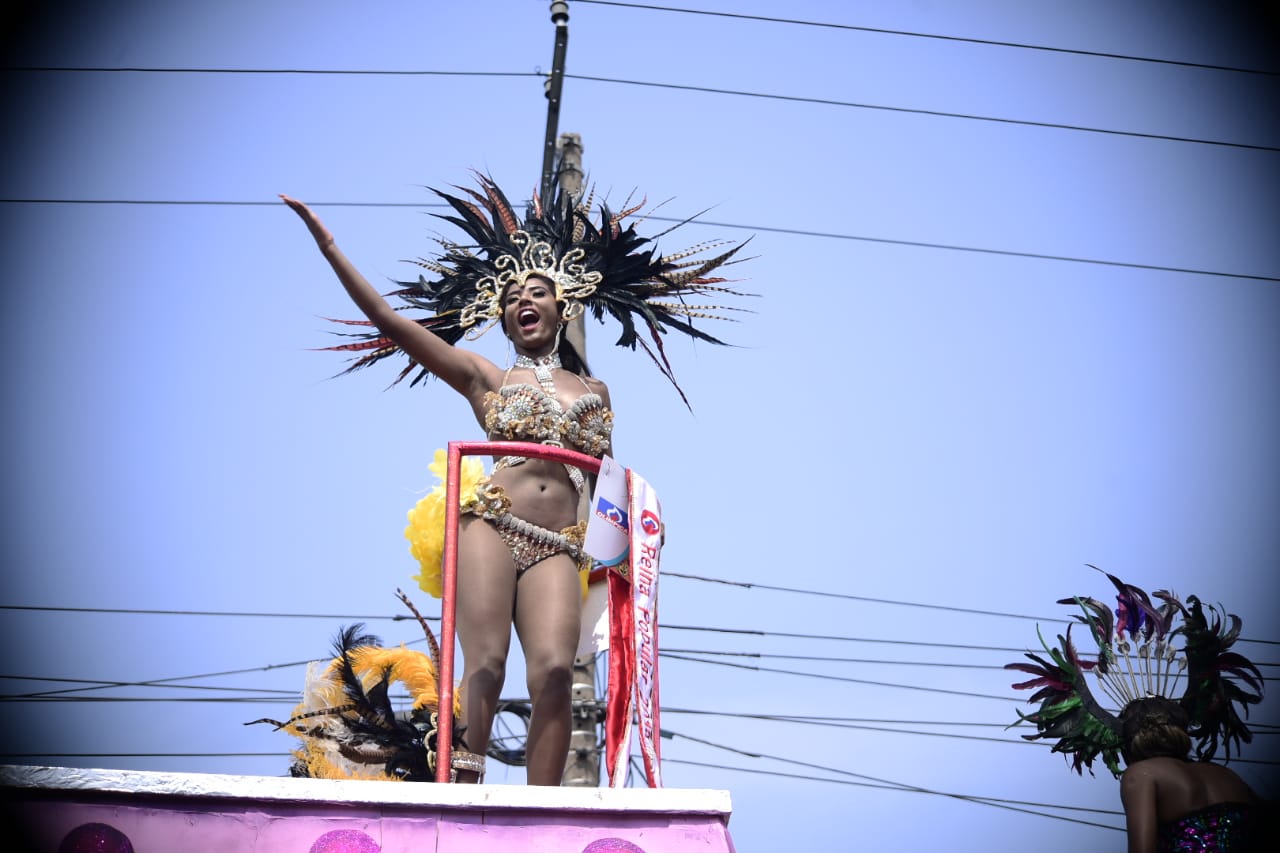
322,235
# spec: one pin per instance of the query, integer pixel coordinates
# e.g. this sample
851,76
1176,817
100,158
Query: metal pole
448,613
559,17
569,175
449,568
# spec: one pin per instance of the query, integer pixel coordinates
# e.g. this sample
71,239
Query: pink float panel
58,810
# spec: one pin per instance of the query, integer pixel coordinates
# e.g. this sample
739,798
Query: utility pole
555,83
583,767
562,164
569,176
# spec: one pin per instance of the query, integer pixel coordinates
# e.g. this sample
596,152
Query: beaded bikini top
524,412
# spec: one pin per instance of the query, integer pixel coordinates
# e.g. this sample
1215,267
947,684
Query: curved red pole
448,600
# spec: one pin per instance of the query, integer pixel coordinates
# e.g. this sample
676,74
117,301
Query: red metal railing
448,603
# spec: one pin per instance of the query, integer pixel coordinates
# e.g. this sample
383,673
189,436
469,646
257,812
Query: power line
831,102
239,613
840,678
400,617
890,727
841,638
1013,741
845,596
988,251
710,90
811,778
337,72
108,700
750,631
940,37
821,593
1256,728
835,659
805,718
158,682
799,232
826,659
996,802
145,754
98,684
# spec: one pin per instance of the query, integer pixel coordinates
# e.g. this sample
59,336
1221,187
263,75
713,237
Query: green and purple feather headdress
1138,656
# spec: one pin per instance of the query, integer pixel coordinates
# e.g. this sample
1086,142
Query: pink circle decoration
345,841
95,838
612,845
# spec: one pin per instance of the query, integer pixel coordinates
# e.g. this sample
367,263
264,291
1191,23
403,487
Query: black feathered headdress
347,726
603,267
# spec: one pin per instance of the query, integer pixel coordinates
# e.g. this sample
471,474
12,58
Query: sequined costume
1220,828
529,544
515,412
526,412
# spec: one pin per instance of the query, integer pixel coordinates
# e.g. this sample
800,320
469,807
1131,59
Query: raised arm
466,372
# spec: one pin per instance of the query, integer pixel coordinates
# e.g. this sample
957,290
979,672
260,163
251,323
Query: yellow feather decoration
425,531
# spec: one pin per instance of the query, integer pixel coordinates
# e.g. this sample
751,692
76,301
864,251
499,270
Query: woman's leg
485,600
548,616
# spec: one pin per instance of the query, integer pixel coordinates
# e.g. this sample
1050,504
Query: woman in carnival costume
1171,701
519,546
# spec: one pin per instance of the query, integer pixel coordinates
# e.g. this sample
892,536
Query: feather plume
346,721
636,286
1137,658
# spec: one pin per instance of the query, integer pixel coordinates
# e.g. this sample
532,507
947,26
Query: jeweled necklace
542,367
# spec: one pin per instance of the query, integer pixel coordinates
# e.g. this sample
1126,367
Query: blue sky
1018,313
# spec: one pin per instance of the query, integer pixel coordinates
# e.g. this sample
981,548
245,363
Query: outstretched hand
323,236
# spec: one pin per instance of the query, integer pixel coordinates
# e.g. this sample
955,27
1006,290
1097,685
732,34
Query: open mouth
527,318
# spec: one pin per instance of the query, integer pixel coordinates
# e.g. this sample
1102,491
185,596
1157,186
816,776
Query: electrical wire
960,39
822,593
831,659
810,778
847,597
987,801
832,102
834,659
757,632
98,684
238,613
710,90
798,232
840,678
336,72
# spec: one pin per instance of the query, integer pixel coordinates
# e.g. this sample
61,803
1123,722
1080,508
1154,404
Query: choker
542,367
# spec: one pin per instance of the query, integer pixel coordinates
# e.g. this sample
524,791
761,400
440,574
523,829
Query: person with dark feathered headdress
1171,802
1171,672
519,553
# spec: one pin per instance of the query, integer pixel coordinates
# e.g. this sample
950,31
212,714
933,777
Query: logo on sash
614,514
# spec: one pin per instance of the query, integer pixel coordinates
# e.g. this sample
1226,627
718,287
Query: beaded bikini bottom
529,544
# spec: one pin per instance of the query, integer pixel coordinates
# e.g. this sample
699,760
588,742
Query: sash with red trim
633,641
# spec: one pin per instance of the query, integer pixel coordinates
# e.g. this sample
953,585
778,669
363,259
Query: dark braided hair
1154,727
